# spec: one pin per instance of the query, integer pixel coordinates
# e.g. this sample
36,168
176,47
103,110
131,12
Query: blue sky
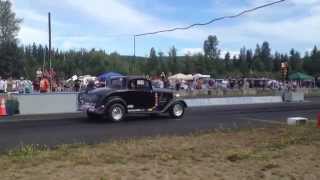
109,24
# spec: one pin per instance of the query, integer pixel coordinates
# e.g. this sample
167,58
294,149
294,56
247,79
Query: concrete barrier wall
47,103
232,101
67,102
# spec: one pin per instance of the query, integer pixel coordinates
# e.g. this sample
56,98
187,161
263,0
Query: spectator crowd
46,82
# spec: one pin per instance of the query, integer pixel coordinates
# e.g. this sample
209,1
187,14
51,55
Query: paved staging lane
80,130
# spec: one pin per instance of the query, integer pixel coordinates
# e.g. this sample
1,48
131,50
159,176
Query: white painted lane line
264,121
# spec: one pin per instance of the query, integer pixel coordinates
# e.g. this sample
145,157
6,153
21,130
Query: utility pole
134,47
49,24
49,54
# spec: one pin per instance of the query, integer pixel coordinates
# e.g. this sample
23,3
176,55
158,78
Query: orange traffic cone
318,121
3,110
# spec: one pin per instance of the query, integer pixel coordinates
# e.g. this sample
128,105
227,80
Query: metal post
44,61
134,47
49,24
49,54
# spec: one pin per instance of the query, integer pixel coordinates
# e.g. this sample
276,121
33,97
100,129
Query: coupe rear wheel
116,112
177,110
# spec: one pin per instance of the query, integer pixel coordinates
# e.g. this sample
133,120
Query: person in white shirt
2,85
161,84
39,73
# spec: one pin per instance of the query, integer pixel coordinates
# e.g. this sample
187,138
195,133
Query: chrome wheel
117,113
178,110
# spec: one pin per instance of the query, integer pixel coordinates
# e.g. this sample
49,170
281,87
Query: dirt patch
272,153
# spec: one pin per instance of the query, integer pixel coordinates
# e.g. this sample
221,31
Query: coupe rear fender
174,102
112,100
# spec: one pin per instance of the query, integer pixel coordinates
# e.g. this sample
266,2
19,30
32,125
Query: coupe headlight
177,95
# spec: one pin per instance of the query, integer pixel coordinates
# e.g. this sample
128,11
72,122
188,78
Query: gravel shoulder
268,153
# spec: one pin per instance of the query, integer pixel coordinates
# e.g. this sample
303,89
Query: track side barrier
59,103
50,103
200,102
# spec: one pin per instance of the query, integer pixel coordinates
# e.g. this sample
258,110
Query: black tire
174,110
116,112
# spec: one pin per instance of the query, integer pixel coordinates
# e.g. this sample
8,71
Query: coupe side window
117,83
140,85
132,85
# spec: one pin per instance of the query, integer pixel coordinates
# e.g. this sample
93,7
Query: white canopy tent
180,76
84,79
73,78
197,76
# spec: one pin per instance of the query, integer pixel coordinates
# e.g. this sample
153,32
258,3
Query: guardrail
201,102
211,93
57,103
49,103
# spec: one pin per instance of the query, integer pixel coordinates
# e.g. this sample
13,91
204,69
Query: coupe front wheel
177,110
116,112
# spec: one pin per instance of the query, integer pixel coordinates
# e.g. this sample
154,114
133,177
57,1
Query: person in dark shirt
90,86
77,85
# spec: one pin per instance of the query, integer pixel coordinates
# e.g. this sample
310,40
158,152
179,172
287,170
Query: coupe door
141,97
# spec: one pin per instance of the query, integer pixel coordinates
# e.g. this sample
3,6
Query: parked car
130,95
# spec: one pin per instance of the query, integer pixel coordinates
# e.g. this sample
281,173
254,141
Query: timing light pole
49,53
49,26
134,47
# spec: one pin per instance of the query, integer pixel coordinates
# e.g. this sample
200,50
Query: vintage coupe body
130,95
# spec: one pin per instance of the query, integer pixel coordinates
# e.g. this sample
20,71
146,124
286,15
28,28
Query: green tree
266,56
295,61
10,54
173,60
258,65
163,66
188,64
152,63
227,60
210,48
249,60
9,24
243,66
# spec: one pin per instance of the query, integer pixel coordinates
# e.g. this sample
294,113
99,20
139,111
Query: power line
213,20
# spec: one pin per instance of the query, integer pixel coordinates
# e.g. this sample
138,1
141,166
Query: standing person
90,86
10,84
39,73
36,84
21,85
2,85
178,85
44,85
77,84
161,84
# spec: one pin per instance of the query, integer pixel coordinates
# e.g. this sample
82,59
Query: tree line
17,61
24,61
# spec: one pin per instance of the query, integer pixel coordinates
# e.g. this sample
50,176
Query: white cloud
122,18
232,53
283,26
191,51
29,35
31,16
115,14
